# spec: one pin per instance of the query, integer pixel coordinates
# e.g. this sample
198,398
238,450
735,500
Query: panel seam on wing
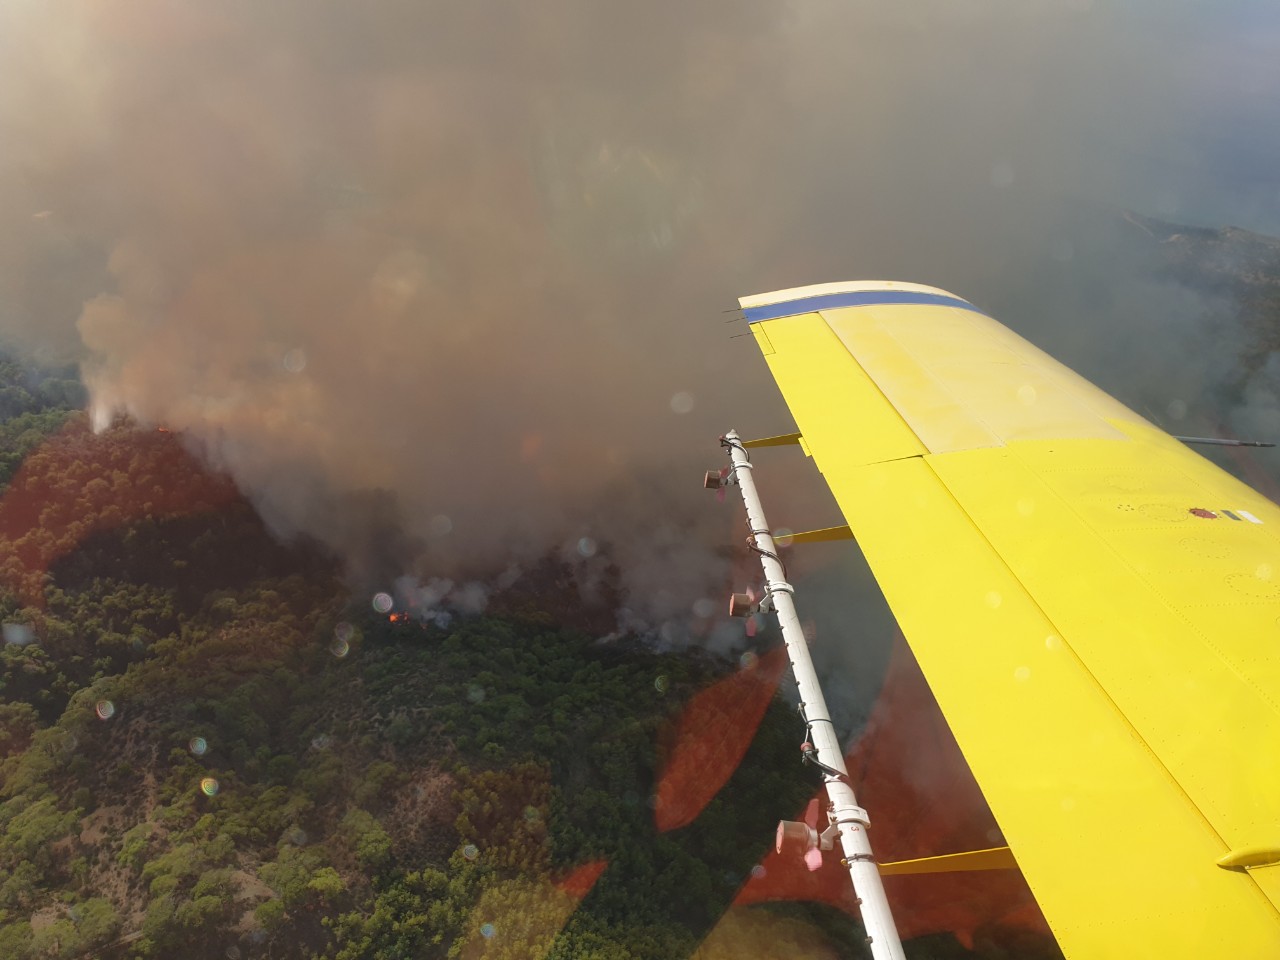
1066,644
1155,591
939,382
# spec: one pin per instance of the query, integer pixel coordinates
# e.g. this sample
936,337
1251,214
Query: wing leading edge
1096,609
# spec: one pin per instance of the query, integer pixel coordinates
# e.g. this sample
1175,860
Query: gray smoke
441,282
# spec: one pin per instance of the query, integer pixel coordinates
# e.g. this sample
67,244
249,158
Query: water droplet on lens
1002,174
18,634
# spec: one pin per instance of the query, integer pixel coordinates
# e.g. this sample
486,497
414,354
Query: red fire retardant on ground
78,484
711,738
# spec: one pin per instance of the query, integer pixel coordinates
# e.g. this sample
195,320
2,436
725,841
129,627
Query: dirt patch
103,822
422,815
46,917
249,887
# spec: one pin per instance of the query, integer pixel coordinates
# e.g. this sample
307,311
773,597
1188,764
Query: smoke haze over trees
442,284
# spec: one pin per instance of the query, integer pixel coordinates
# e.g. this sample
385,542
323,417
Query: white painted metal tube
851,819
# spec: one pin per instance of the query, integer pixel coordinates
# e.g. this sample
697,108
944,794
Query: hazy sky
473,255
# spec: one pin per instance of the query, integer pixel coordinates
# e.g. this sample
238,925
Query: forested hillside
212,749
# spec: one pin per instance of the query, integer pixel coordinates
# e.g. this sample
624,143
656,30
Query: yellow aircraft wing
1095,607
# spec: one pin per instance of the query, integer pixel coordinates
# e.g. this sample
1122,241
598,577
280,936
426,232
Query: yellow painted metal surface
995,858
1264,855
786,439
825,535
1093,606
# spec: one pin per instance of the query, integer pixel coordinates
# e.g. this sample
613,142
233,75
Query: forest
214,748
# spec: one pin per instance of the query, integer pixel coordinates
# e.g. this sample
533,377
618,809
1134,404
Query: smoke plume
441,283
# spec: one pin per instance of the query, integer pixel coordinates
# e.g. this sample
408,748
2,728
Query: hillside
212,750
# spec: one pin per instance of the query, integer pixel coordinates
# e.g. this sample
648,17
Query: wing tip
840,286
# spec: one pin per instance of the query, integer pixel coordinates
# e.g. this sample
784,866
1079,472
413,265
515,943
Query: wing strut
844,815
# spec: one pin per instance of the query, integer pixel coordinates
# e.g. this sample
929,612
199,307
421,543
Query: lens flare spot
18,634
382,602
1022,674
1068,804
660,684
105,709
198,746
440,525
475,693
209,787
1026,506
344,631
530,446
339,648
994,599
1051,642
704,607
1026,395
471,851
758,872
232,953
295,361
487,930
682,402
532,814
748,660
1264,571
587,547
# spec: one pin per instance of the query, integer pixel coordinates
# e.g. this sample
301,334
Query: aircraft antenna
847,821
